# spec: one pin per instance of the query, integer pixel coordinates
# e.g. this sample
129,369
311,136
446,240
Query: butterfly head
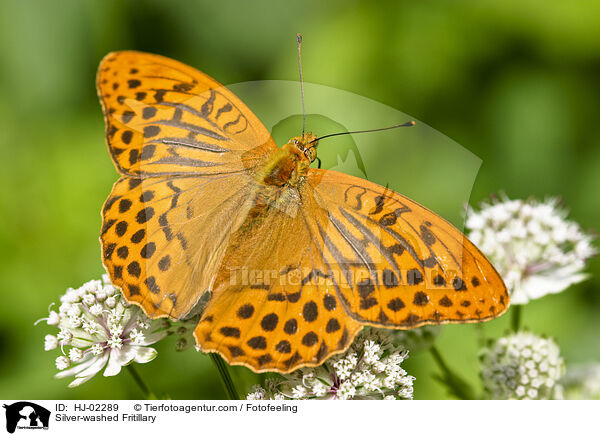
289,164
307,144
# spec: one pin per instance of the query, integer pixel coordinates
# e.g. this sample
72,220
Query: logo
26,415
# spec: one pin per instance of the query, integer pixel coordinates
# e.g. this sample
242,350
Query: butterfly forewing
166,118
402,265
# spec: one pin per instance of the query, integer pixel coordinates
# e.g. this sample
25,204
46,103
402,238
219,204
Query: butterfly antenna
408,124
299,39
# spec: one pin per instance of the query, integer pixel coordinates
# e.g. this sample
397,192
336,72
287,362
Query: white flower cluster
535,249
369,369
582,382
522,366
98,329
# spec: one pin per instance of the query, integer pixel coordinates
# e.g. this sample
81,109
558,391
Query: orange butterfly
285,263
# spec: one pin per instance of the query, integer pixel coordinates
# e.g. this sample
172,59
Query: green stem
140,382
225,376
458,387
480,334
515,320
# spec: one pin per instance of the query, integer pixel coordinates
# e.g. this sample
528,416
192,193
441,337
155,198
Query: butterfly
283,263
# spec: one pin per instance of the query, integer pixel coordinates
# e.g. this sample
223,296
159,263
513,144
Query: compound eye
296,142
310,154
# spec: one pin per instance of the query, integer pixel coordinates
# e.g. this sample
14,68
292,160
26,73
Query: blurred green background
514,82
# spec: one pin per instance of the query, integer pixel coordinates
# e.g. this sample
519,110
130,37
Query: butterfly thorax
289,164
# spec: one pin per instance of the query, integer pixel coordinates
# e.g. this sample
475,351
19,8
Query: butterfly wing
163,237
166,118
320,260
274,307
401,265
186,146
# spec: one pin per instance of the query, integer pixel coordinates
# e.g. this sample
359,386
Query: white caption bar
462,418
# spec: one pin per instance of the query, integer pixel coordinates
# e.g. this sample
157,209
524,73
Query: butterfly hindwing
274,307
276,329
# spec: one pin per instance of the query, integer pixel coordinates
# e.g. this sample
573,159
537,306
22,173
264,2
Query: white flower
346,391
90,326
97,349
319,388
116,329
299,392
75,321
53,318
62,362
65,337
509,370
110,302
258,393
50,342
115,342
535,249
75,354
582,382
96,309
103,331
137,336
89,299
369,369
100,294
74,311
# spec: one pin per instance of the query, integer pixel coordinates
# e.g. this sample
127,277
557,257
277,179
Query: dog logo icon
26,415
